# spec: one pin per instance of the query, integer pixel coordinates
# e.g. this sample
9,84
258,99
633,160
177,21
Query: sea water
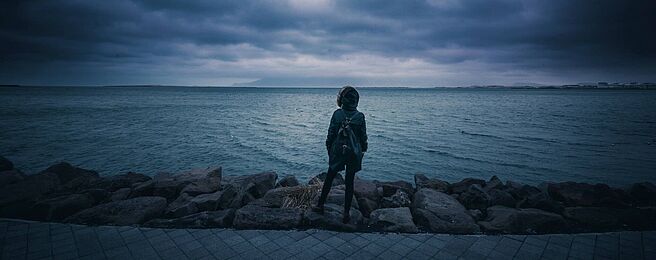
525,135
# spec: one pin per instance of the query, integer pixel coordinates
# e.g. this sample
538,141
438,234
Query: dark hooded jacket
349,104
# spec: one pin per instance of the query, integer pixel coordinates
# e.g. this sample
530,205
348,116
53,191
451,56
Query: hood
349,99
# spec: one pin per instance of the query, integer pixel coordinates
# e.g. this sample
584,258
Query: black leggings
327,184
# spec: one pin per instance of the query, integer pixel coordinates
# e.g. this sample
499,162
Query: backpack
346,144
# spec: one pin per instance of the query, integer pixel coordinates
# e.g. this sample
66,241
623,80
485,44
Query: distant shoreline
642,86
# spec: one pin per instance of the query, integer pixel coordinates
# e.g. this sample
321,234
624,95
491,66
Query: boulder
257,217
142,189
120,194
213,201
338,180
390,187
522,221
476,214
365,189
494,183
182,206
441,213
56,209
10,177
288,181
474,198
462,186
366,206
98,195
276,198
332,218
393,220
606,218
169,186
5,164
71,177
421,181
583,194
29,189
205,219
541,201
116,182
196,188
122,213
337,197
520,191
644,193
250,187
501,197
397,200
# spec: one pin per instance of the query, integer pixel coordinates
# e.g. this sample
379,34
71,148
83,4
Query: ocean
526,135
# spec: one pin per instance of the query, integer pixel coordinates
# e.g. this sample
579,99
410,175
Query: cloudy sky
326,42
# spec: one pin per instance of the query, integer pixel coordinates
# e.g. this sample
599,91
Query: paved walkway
35,240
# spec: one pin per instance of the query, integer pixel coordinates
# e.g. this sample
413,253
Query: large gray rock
119,181
421,181
275,198
366,206
333,217
169,186
182,206
606,218
441,213
644,193
541,201
494,183
475,198
56,209
10,177
520,191
214,201
250,187
29,189
5,164
365,189
583,194
122,213
71,177
257,217
397,200
462,186
320,178
205,219
288,181
336,196
501,197
120,194
390,187
522,221
393,220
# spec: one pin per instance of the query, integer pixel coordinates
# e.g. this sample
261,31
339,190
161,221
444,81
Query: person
347,101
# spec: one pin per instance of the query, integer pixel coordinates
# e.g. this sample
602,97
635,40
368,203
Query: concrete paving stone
224,253
298,235
60,249
321,248
197,253
268,248
390,255
417,255
553,251
152,232
307,254
279,255
457,246
172,253
498,255
526,255
427,249
347,249
284,241
207,257
248,234
200,233
409,242
183,239
293,248
444,255
96,256
65,256
117,251
39,254
334,254
419,237
308,241
176,232
370,236
483,246
401,249
360,241
362,255
243,247
323,235
334,241
273,234
189,246
225,233
508,246
473,255
373,249
259,240
347,236
385,242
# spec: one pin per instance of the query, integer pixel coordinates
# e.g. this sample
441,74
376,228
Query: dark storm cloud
402,42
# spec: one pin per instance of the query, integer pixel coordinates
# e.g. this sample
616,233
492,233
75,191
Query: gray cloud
433,42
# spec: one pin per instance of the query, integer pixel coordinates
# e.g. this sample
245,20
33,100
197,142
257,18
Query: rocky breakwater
205,198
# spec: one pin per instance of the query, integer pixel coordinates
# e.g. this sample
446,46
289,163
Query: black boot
347,218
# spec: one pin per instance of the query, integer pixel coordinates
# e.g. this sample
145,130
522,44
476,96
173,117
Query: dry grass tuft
302,198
